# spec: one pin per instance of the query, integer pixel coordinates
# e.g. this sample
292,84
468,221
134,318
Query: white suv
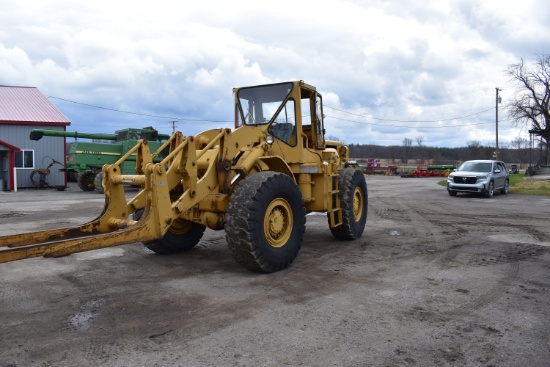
480,176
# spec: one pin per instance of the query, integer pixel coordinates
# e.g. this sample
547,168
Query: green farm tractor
85,159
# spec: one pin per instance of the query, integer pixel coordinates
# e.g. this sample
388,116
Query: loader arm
114,226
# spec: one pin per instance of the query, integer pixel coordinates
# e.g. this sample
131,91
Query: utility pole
173,126
497,101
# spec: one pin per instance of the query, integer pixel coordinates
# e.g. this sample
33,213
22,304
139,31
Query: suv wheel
490,190
452,192
504,190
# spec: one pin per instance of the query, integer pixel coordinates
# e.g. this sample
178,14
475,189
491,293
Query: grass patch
524,186
520,185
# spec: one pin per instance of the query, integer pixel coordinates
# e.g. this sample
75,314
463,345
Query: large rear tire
265,222
182,236
86,180
353,197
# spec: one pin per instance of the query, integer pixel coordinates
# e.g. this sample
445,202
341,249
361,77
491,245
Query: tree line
518,152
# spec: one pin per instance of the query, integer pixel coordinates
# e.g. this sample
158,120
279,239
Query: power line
408,126
175,119
137,113
413,121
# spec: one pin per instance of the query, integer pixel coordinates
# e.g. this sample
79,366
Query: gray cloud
382,61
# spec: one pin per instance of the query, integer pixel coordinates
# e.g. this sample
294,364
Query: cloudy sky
388,70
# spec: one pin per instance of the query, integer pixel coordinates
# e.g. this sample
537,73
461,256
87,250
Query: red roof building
26,105
21,110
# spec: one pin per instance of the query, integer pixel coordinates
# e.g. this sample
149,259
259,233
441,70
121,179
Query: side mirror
497,170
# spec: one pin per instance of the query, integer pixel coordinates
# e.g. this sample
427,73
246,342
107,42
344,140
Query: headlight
269,139
482,177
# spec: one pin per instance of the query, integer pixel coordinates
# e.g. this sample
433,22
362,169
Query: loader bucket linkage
114,226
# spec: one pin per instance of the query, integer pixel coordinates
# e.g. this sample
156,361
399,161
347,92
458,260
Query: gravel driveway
434,281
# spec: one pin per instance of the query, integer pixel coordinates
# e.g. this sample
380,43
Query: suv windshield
476,167
259,104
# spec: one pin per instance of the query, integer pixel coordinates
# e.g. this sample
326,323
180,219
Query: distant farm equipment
85,159
432,170
374,167
39,176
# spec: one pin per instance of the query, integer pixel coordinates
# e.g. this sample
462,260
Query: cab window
319,125
258,105
283,126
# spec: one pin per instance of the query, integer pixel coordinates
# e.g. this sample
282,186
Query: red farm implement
434,170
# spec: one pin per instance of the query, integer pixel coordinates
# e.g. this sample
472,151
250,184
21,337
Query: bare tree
419,140
519,143
521,146
474,150
474,144
529,106
407,143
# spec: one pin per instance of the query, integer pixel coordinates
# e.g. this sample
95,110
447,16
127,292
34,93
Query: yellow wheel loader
256,182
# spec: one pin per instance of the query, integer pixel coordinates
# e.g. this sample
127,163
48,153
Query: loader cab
291,113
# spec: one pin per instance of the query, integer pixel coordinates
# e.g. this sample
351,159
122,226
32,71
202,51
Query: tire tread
243,230
348,179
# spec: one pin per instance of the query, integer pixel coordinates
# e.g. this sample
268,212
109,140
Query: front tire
182,236
490,191
353,197
452,192
265,222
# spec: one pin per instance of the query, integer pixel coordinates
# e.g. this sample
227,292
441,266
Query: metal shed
21,110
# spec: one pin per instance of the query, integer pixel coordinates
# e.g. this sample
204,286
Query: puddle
82,320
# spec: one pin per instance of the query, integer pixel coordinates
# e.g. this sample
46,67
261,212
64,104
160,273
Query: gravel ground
434,281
